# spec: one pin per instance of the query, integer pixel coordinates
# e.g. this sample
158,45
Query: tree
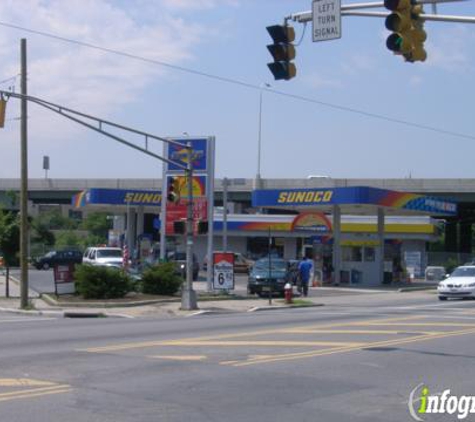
98,225
9,241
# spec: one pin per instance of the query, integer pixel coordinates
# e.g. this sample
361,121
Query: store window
369,254
352,253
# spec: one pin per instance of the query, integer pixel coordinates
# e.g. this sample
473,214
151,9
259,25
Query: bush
161,280
95,282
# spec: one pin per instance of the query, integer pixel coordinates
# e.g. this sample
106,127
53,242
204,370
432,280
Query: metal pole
259,139
225,214
188,298
24,184
270,267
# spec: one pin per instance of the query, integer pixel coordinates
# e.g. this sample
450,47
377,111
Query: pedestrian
305,267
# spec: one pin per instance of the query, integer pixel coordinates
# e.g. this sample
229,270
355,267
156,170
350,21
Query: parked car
459,284
435,273
53,258
241,264
179,258
106,256
268,275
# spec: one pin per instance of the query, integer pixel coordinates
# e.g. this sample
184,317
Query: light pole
259,136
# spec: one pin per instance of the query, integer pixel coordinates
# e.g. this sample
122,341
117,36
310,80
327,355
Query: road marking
23,382
313,331
180,358
386,343
35,392
420,324
259,343
155,343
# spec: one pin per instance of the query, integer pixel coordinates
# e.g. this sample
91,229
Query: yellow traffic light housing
407,26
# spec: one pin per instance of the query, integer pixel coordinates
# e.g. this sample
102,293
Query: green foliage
161,280
54,220
98,225
451,264
41,233
96,282
9,237
68,239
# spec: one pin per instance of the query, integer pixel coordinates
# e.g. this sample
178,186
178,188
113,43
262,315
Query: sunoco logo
422,403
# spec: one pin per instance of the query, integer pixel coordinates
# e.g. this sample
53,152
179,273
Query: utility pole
24,183
188,298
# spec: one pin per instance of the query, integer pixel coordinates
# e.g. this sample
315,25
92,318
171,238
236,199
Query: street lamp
259,138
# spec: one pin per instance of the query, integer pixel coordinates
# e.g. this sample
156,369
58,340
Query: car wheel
45,266
442,298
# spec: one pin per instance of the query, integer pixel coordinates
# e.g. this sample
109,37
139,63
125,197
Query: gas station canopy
353,200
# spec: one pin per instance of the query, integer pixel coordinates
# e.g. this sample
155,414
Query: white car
460,284
105,256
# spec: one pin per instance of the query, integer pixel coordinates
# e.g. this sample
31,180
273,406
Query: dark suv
179,258
58,258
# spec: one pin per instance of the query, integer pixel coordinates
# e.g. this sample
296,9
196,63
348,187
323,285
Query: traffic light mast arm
347,10
424,16
63,111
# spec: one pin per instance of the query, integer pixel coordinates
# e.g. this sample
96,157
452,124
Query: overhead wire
240,83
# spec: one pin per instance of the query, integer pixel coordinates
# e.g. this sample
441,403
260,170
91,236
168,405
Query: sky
199,68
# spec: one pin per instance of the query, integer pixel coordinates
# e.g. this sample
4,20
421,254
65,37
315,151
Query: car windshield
275,265
463,272
109,253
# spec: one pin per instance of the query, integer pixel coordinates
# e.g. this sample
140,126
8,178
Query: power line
239,83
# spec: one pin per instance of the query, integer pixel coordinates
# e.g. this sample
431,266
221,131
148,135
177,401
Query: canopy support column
337,243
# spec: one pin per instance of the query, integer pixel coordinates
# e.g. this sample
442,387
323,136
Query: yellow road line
180,358
420,324
259,343
32,395
34,392
139,345
311,331
386,343
23,382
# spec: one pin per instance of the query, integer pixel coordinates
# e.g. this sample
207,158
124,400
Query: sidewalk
142,306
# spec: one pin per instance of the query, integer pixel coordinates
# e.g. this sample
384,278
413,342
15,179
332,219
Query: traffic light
282,51
173,191
399,22
202,227
3,108
418,35
179,227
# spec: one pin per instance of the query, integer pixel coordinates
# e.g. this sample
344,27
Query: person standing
305,268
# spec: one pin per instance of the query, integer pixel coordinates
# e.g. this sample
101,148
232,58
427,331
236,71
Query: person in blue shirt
305,268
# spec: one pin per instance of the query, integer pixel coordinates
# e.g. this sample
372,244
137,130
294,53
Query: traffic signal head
282,51
418,35
173,194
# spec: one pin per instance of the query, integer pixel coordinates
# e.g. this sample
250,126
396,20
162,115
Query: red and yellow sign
311,222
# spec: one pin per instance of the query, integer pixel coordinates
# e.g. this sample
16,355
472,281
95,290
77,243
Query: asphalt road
355,362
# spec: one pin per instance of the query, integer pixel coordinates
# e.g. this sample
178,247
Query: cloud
86,78
451,50
198,4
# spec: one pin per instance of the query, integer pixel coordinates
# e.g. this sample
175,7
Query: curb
415,289
274,308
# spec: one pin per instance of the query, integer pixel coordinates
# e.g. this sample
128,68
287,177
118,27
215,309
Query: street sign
326,20
223,267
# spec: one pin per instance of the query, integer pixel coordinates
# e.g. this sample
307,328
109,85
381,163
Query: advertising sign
179,154
223,270
63,279
176,212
